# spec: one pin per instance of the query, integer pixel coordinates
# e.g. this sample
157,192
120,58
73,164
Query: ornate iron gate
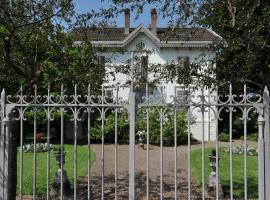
16,108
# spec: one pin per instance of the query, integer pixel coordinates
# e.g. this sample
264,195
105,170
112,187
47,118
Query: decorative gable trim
165,44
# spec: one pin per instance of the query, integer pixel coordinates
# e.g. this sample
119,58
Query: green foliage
154,127
37,47
109,129
251,137
224,137
167,126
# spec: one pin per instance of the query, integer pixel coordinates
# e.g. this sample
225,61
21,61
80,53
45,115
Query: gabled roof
164,37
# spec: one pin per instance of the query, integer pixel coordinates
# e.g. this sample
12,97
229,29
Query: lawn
224,172
41,168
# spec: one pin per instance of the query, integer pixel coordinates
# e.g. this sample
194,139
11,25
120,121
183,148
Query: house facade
158,47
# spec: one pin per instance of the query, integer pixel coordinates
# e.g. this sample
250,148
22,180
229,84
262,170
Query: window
101,66
183,61
182,96
109,93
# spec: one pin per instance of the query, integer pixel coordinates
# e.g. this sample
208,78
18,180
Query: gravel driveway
154,172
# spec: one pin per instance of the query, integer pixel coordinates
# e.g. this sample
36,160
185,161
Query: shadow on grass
252,188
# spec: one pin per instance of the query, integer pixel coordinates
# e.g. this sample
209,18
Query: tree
37,47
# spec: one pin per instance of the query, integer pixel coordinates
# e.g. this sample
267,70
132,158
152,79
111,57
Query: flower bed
40,147
240,150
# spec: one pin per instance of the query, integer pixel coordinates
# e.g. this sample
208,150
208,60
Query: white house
184,45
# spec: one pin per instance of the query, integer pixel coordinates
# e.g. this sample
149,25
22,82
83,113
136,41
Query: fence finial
266,90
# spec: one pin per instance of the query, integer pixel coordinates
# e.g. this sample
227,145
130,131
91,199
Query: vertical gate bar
161,146
217,149
261,146
231,154
2,144
62,138
266,102
35,140
245,144
132,120
175,153
189,146
115,154
203,135
115,146
147,142
209,102
89,145
102,150
48,145
75,143
21,145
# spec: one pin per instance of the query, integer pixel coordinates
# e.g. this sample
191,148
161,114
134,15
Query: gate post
8,167
261,155
266,102
3,174
132,121
4,150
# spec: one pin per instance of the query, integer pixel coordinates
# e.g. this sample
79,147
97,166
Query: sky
82,6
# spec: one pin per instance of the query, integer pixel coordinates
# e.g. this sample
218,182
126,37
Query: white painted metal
76,106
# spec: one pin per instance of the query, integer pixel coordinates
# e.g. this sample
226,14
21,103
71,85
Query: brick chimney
127,21
154,21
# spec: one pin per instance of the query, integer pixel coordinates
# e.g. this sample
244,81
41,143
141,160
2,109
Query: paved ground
154,170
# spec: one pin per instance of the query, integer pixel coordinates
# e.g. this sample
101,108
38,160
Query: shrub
154,127
223,137
252,137
168,127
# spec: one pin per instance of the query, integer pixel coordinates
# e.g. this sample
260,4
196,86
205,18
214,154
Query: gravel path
154,172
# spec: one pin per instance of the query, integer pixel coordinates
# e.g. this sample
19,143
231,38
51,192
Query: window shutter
144,68
101,66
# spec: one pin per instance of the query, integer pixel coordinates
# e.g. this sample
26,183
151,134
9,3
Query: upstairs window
183,61
182,96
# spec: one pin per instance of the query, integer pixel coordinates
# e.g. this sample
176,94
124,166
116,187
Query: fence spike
266,90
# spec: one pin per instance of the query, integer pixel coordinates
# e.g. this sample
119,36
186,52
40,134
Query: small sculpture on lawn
212,181
60,161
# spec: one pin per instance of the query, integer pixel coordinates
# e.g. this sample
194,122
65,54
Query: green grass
224,172
41,168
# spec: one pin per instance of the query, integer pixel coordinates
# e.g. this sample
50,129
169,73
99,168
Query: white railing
17,108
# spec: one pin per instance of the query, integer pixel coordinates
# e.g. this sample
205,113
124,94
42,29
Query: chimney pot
154,21
127,21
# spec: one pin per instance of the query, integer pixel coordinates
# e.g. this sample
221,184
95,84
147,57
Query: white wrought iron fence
17,108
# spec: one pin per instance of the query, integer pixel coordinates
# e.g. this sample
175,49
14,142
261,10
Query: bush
223,137
154,127
168,127
109,129
251,137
